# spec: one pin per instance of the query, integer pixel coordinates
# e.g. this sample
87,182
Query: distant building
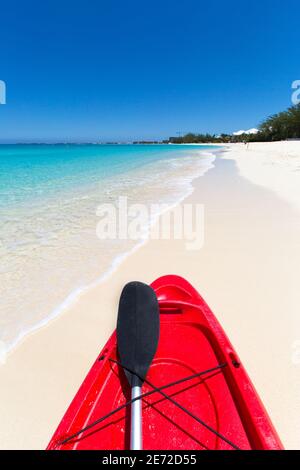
248,132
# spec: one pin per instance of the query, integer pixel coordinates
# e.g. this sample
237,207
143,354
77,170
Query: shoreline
53,361
76,293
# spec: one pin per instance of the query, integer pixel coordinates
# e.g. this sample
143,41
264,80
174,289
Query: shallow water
49,195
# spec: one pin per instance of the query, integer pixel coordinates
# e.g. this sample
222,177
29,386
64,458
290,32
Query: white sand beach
248,272
274,165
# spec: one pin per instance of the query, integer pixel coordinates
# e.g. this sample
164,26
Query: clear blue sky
126,69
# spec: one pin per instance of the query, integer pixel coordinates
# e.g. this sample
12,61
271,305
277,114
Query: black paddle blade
137,330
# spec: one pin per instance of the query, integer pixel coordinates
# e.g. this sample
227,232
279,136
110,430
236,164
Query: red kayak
197,394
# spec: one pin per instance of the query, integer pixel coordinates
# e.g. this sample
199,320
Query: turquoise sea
49,195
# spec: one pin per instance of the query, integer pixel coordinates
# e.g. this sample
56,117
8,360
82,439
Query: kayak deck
230,414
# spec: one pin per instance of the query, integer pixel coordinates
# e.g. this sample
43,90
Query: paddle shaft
136,442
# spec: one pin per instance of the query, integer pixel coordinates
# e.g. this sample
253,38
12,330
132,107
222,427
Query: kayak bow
196,395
